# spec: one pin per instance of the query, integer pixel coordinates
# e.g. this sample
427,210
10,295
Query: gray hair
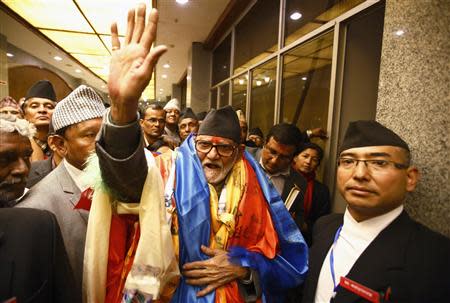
10,124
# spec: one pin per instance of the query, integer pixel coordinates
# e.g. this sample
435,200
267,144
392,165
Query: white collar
78,176
367,230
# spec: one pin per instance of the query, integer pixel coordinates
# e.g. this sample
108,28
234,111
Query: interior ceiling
81,29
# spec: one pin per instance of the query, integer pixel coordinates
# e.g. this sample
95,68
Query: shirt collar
77,175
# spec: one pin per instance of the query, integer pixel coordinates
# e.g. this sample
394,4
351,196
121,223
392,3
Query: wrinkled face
187,126
369,193
153,123
15,152
276,157
11,111
215,166
307,161
172,116
257,139
39,111
79,141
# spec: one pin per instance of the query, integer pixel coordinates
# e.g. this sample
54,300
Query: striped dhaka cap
80,105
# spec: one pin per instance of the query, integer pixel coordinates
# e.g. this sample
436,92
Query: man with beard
232,235
33,261
76,120
152,122
38,107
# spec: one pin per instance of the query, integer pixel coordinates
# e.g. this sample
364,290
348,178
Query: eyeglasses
375,165
154,120
224,150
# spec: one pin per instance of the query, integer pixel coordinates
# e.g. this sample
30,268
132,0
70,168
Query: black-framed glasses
373,165
224,150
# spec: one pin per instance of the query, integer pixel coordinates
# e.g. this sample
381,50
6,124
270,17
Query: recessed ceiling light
167,65
400,32
57,58
241,81
9,55
295,16
182,1
161,89
78,71
164,76
266,79
258,82
304,78
103,86
188,78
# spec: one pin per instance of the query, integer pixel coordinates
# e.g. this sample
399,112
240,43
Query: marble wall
414,99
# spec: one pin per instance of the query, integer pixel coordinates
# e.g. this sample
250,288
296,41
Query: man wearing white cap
172,109
76,120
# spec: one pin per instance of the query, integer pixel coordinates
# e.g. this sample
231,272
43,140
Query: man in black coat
375,244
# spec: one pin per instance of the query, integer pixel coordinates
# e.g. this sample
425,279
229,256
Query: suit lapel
382,260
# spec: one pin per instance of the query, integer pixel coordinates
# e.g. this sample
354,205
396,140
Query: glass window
262,104
213,98
304,16
221,61
239,97
305,90
224,93
256,36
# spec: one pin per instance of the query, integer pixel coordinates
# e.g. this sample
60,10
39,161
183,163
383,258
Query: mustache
12,181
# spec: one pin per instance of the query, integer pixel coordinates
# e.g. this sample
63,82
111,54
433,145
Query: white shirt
78,176
353,240
277,179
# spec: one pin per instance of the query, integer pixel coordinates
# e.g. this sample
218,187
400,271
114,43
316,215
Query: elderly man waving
233,237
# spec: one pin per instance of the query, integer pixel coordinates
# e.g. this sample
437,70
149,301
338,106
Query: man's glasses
375,165
224,150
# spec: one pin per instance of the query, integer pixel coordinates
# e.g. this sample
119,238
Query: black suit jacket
406,256
33,262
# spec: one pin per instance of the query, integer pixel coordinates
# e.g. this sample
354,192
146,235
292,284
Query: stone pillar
4,91
198,78
414,99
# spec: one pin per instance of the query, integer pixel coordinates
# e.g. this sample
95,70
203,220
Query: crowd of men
160,204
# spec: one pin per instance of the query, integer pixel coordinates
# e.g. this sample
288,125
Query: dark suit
406,256
38,170
33,261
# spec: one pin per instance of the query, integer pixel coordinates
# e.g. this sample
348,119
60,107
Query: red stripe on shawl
255,230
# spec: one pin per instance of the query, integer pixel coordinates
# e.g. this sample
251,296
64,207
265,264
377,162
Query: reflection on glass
224,93
213,98
256,36
262,104
304,16
239,96
221,61
305,89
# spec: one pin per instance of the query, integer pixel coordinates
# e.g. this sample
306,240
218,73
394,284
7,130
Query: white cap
80,105
172,104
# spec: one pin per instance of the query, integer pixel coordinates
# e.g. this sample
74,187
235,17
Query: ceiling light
241,81
188,78
57,58
304,78
9,55
167,65
258,82
164,76
295,16
78,71
267,79
182,1
161,89
400,32
103,86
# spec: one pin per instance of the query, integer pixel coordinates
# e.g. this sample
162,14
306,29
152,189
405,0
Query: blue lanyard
336,236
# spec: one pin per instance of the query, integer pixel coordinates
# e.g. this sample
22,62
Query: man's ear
58,143
413,176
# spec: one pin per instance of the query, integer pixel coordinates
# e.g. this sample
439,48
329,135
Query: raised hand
132,64
214,272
